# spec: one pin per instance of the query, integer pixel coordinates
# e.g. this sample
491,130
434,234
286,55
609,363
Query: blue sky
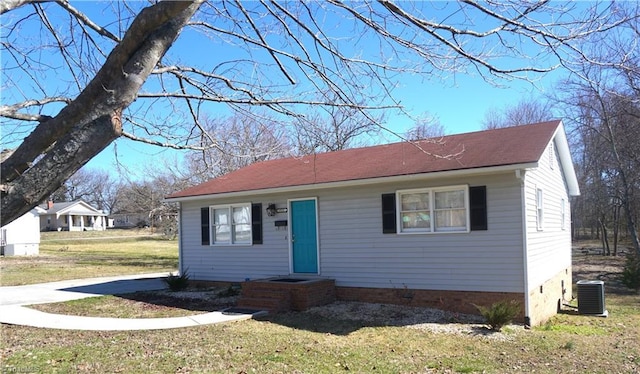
459,101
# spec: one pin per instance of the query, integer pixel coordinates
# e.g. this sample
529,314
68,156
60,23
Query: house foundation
546,300
454,301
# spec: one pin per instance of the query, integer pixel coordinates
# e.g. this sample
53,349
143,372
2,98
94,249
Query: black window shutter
256,223
478,205
389,213
204,223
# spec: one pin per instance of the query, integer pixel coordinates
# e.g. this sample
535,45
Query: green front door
304,236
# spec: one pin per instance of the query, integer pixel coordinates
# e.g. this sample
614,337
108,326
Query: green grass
303,342
69,255
310,343
65,235
120,307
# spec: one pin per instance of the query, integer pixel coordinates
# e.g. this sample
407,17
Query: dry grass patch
354,337
73,258
155,304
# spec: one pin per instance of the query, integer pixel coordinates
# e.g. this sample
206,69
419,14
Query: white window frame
539,209
232,225
432,211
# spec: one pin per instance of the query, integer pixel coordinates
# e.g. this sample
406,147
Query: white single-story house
129,220
450,222
72,216
22,236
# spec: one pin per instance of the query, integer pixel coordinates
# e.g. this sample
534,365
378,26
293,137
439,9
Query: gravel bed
428,319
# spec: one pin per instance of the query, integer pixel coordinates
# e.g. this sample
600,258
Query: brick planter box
284,294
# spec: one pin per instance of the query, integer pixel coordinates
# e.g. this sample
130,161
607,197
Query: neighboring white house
451,222
72,216
128,220
22,236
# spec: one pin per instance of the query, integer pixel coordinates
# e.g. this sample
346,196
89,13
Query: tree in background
145,199
100,75
524,112
96,187
603,111
426,127
332,128
240,140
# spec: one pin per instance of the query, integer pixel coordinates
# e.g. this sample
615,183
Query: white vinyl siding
229,262
563,217
355,252
548,250
427,210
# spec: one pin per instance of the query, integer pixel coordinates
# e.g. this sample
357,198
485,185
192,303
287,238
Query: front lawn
73,255
337,338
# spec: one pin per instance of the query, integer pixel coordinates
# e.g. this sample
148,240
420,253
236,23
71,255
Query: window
433,210
450,210
231,224
539,209
415,212
228,224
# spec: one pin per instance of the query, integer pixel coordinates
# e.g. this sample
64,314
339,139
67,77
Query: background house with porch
72,216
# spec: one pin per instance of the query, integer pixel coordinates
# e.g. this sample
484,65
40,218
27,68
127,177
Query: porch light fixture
271,210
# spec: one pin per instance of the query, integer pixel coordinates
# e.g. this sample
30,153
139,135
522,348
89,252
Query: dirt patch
429,319
201,300
588,263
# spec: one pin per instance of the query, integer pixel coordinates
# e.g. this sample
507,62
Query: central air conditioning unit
591,297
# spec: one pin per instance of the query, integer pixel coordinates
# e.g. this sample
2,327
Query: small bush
229,291
177,282
631,271
500,313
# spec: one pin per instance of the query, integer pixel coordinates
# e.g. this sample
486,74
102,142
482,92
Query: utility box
591,297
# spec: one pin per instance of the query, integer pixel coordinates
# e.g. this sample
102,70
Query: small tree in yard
631,271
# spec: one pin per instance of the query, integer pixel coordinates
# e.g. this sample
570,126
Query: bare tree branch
9,5
292,58
82,18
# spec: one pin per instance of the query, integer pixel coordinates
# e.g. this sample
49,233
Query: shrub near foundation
500,313
177,282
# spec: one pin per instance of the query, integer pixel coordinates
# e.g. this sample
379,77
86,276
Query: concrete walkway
14,299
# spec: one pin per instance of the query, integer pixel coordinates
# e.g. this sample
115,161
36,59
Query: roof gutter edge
358,182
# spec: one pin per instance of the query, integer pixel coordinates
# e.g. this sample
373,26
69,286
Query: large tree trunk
68,155
616,228
92,121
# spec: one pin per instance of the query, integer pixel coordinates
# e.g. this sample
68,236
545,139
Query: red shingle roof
500,147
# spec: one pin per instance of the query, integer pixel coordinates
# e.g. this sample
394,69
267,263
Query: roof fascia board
564,154
360,182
